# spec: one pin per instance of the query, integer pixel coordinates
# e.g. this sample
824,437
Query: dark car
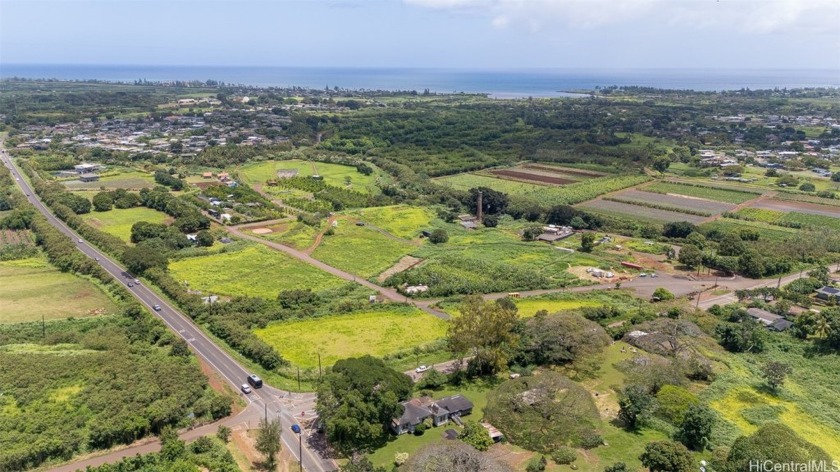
296,428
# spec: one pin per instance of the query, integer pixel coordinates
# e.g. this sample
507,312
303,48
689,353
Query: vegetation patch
31,289
255,271
294,234
333,174
376,332
118,222
403,221
129,180
360,250
702,191
636,212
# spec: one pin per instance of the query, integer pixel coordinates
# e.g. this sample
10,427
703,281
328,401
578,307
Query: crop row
802,197
659,206
702,191
676,201
789,219
636,212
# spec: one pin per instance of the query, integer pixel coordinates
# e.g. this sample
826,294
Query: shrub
536,464
439,236
564,455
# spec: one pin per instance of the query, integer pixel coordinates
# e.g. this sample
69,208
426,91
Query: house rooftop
764,316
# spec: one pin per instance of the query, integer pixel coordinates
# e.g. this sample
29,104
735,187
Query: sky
459,34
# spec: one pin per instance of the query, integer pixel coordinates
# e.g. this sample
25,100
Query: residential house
418,410
770,320
829,294
88,177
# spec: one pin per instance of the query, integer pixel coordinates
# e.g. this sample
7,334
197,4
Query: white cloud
750,16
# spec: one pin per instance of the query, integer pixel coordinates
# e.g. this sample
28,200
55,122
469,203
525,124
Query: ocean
497,83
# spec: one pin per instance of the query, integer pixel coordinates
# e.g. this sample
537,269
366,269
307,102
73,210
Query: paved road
201,345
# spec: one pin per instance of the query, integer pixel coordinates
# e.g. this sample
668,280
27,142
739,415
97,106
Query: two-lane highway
181,324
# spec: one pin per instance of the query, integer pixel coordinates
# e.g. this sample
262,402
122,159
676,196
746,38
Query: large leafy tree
667,456
484,330
772,442
357,401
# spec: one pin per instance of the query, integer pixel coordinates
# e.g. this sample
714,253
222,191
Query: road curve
201,344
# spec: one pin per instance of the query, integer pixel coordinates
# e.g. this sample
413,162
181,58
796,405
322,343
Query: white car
421,369
245,388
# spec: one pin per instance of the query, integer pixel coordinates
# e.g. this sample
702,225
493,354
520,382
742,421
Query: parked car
421,369
245,388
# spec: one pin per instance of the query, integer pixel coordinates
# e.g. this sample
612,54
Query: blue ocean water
499,83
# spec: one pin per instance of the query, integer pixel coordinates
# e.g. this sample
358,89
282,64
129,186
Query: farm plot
360,250
293,234
532,176
580,174
131,180
636,212
801,197
255,271
333,174
767,231
378,333
119,221
790,219
700,191
400,220
798,207
672,202
547,195
31,289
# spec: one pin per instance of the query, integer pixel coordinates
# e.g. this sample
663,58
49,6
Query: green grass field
255,271
119,221
781,218
130,180
360,250
720,195
32,288
768,231
400,220
293,234
376,332
333,174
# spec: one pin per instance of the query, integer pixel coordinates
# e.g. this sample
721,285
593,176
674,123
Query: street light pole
300,450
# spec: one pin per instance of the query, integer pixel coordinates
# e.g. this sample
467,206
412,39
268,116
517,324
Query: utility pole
300,450
319,366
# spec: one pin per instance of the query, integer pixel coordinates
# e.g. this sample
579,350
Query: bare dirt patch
566,170
407,262
261,230
243,440
799,207
543,179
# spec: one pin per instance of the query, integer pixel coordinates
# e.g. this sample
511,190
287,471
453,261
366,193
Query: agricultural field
17,244
698,191
333,174
636,212
129,180
801,197
798,207
377,332
529,306
119,221
767,231
255,271
672,202
32,288
360,250
290,233
546,195
780,218
402,221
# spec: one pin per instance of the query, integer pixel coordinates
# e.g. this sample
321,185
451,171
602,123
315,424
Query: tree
358,400
667,456
661,164
476,436
531,232
807,187
484,330
745,336
560,339
695,431
139,259
439,236
634,402
773,443
360,463
103,201
587,242
662,294
536,464
774,374
731,245
204,238
493,202
691,256
491,221
172,448
268,442
433,379
223,433
678,229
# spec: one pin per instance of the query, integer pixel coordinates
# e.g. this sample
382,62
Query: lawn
377,332
400,220
360,250
333,174
32,288
119,221
255,271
